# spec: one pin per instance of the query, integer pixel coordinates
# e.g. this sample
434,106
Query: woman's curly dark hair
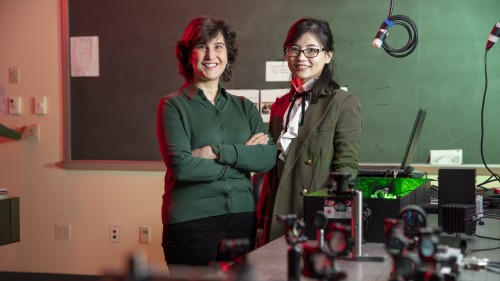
200,31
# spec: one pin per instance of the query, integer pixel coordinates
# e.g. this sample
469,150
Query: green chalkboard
112,116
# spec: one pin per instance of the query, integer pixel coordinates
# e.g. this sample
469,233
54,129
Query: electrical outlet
63,231
114,233
33,131
15,104
145,235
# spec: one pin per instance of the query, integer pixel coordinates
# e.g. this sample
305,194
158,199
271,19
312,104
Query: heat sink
458,218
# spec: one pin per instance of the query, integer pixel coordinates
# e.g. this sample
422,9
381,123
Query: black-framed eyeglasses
308,52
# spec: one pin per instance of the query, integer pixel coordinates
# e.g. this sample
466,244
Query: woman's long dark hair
321,29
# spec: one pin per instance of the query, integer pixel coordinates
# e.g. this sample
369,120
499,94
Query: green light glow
384,188
388,188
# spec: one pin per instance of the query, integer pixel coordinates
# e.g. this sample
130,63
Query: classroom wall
90,201
445,74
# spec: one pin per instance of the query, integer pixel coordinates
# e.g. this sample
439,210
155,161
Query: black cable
488,180
482,250
486,217
481,187
486,237
492,269
491,202
496,176
382,34
434,192
492,216
494,263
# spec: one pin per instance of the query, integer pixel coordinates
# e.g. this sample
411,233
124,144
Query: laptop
405,169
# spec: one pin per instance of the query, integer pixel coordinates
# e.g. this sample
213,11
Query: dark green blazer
328,141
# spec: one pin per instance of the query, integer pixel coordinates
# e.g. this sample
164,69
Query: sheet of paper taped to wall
449,156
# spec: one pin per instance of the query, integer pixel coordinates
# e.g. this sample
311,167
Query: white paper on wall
277,71
267,98
449,156
252,95
84,54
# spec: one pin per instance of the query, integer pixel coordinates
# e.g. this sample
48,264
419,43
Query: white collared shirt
292,132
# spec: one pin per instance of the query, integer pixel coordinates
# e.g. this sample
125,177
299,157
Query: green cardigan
9,133
196,187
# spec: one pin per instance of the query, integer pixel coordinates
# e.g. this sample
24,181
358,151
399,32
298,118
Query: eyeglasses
308,52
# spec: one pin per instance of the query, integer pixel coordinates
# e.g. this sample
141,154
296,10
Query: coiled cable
404,21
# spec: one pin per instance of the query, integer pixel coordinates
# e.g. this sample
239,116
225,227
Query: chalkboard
112,117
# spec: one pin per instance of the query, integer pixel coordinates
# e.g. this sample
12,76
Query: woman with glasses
210,141
316,128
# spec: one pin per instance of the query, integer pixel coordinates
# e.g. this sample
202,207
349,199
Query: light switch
14,75
40,105
15,105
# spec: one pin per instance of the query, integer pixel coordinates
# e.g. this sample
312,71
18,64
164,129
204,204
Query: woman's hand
259,138
208,153
205,152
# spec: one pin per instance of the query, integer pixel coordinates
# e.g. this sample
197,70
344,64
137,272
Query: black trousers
196,242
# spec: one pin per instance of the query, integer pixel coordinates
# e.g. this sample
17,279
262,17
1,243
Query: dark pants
196,242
